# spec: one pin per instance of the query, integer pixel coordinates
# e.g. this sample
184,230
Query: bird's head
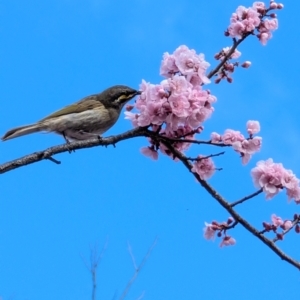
118,95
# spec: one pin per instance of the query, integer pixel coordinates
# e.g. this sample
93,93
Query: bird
90,117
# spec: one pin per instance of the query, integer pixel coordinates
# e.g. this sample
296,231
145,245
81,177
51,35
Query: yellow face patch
124,97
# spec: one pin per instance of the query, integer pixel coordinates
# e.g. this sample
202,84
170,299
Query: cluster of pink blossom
187,62
277,223
273,177
204,167
174,102
220,228
247,20
177,106
246,147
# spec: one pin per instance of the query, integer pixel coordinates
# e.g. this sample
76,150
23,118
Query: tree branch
228,207
48,153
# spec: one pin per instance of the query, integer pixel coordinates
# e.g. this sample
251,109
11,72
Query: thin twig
205,157
137,269
95,259
54,160
246,198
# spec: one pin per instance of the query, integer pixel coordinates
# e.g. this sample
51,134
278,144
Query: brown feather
84,104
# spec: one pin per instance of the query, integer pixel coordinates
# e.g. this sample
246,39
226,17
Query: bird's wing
84,104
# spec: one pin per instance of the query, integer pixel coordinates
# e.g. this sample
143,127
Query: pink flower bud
246,64
280,6
273,5
129,107
230,220
287,225
297,228
253,127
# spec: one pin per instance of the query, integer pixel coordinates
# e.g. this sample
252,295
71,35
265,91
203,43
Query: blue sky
54,53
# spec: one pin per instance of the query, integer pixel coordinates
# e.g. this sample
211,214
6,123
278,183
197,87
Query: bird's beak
138,92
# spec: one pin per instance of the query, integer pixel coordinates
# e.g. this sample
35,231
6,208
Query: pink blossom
179,101
268,175
150,152
230,136
243,21
245,158
248,146
294,193
274,177
227,241
253,20
277,221
168,65
209,232
259,5
270,24
253,127
204,167
264,37
287,224
236,29
191,64
215,137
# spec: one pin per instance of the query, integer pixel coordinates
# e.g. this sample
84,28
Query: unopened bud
273,5
229,79
280,6
217,56
219,234
229,67
246,64
199,129
230,220
267,226
129,107
273,15
226,33
279,236
297,228
218,80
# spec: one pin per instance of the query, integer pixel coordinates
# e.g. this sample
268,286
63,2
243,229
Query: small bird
87,118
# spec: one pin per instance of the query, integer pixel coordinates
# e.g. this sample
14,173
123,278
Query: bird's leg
67,141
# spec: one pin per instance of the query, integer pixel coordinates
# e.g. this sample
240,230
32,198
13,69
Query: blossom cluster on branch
177,107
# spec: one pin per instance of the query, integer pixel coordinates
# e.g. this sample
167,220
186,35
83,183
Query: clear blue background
54,53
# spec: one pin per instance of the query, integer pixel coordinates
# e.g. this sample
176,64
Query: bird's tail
22,130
